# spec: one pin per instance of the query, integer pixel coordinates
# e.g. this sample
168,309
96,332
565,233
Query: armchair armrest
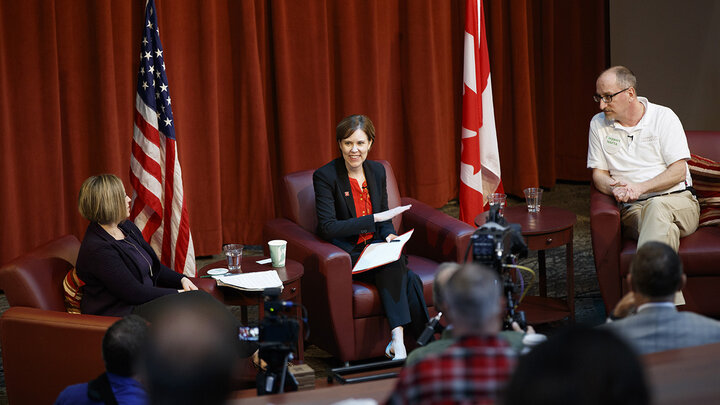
437,236
326,284
208,285
605,230
45,351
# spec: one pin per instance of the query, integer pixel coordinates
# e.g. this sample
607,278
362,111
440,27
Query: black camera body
276,327
491,245
494,245
496,240
278,336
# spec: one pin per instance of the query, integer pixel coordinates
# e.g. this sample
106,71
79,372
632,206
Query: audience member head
102,199
472,297
192,354
656,272
579,366
442,275
123,344
348,125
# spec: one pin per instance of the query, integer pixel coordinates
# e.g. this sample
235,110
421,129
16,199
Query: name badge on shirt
612,143
649,139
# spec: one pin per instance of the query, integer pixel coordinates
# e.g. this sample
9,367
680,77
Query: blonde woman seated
119,268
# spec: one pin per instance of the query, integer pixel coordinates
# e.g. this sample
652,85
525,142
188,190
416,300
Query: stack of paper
304,375
255,281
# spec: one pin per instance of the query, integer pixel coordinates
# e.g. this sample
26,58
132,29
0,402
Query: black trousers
401,293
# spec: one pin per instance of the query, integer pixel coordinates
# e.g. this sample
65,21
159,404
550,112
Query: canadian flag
479,159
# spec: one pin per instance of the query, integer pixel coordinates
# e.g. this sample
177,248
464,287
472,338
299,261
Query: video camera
276,327
496,244
277,336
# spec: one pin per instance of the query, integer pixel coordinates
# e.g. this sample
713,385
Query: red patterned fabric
71,291
706,181
472,371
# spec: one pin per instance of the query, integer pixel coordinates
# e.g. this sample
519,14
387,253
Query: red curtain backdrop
257,88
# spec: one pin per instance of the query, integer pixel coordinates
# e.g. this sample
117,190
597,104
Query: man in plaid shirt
477,367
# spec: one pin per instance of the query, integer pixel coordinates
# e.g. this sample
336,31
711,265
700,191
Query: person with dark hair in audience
442,275
119,268
476,367
579,366
122,348
193,354
351,201
647,317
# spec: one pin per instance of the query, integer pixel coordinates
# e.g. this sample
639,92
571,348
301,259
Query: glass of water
499,200
233,252
533,197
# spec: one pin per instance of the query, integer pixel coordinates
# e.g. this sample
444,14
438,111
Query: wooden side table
551,227
290,275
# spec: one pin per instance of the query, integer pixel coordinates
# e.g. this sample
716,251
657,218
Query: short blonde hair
102,199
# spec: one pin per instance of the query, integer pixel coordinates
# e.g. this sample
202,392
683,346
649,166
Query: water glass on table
533,197
233,252
498,199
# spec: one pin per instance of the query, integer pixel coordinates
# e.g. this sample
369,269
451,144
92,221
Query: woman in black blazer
119,268
352,210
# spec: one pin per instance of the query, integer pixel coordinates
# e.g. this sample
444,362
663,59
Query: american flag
479,160
158,206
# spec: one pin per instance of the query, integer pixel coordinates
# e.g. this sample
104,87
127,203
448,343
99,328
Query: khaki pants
664,218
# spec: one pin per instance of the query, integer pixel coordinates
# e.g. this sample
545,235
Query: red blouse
363,205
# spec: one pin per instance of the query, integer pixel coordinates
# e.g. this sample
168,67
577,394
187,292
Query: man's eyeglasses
607,99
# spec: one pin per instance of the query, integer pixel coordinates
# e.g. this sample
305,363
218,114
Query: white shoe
391,353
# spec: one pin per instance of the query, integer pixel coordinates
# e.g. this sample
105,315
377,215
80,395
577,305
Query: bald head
619,75
616,93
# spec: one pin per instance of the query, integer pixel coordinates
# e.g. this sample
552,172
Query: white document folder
377,254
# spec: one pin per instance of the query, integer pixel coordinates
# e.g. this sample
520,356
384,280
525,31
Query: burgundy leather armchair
44,348
346,317
700,252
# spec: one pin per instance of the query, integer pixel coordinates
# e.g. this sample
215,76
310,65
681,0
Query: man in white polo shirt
638,153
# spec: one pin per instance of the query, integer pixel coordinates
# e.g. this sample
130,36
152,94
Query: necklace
140,253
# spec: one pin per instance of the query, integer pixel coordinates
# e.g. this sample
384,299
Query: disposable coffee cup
278,249
533,197
233,252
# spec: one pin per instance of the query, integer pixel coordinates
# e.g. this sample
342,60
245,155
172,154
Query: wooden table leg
542,281
569,264
301,332
244,315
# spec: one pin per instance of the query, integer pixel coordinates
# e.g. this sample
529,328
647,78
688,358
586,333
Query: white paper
255,281
679,298
377,254
264,261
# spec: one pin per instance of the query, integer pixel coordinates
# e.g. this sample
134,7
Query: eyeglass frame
599,98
